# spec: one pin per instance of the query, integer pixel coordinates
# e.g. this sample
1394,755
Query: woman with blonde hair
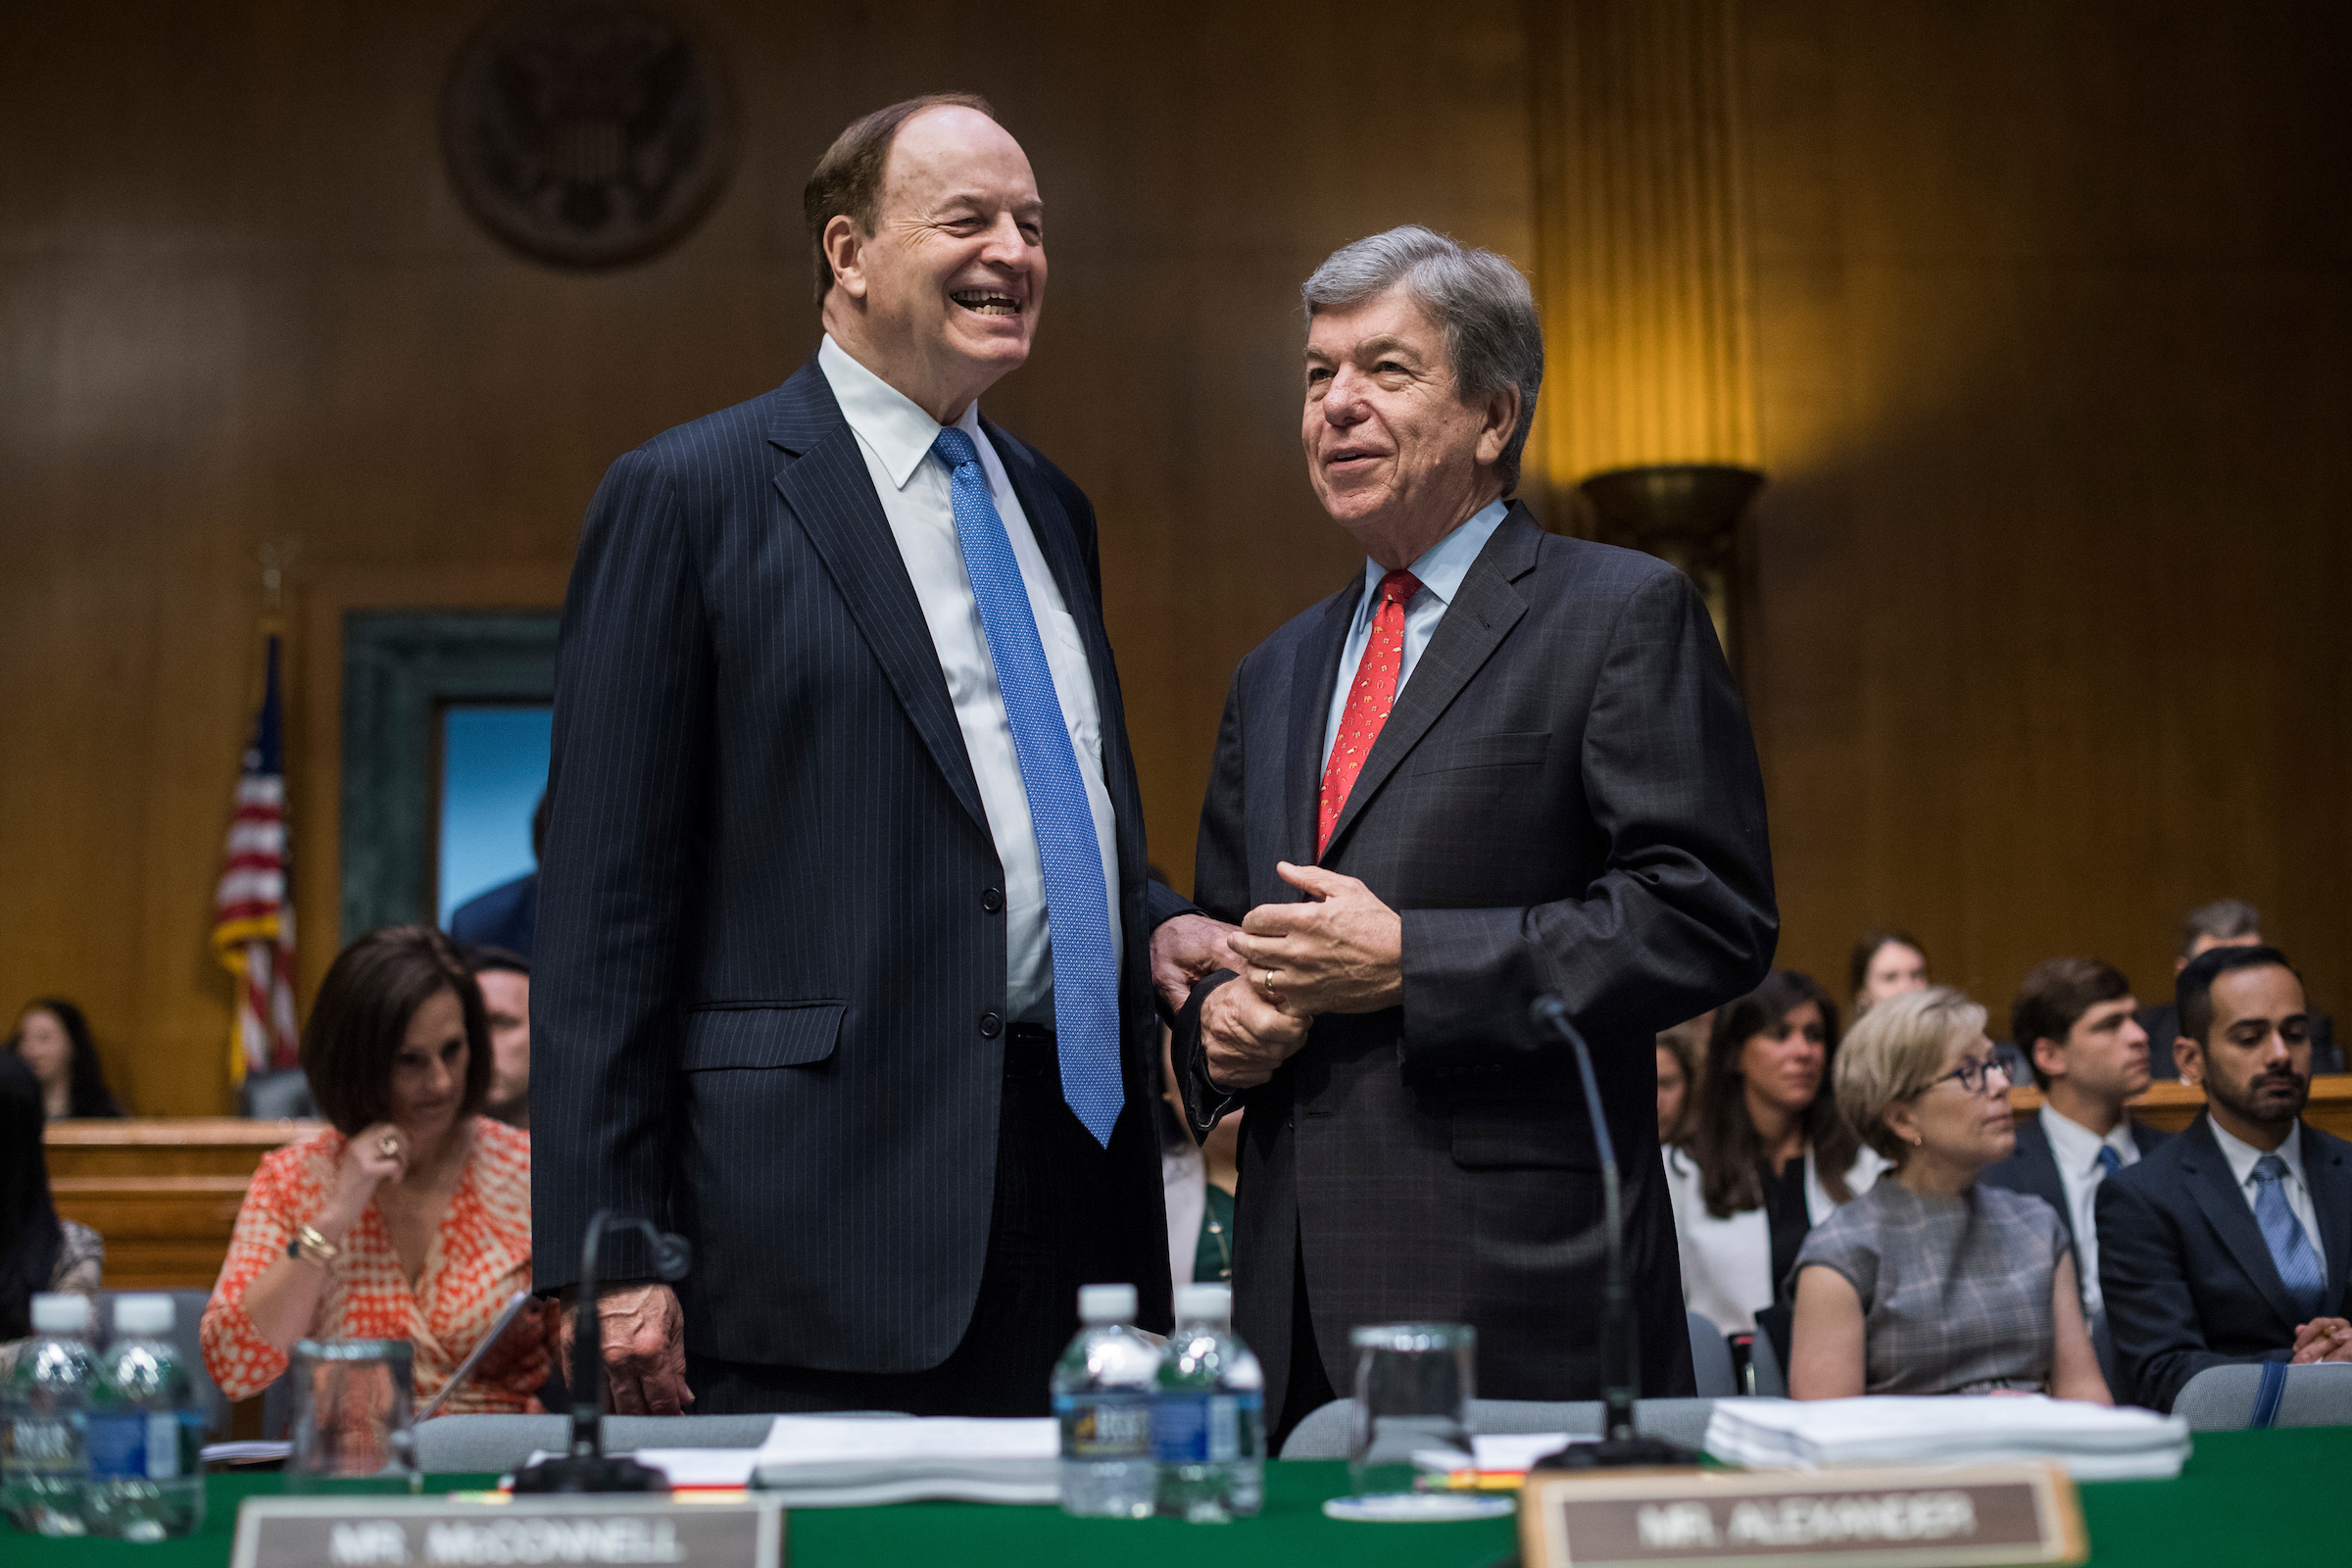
1933,1282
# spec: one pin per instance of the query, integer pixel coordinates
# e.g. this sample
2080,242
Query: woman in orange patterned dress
410,1217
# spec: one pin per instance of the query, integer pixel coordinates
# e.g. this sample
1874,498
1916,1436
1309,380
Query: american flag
252,918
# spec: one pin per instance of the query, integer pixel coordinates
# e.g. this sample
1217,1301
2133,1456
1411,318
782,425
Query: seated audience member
1886,963
2088,1055
2222,923
39,1251
54,1040
2231,1241
505,981
1199,1181
410,1216
1767,1155
508,915
1933,1282
1677,1076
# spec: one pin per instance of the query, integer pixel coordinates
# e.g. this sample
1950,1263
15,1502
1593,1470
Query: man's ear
845,248
2050,1056
1502,421
2188,1059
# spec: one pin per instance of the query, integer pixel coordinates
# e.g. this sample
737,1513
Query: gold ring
1266,980
386,1145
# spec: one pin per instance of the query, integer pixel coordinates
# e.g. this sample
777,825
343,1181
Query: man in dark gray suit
2232,1243
1497,763
843,914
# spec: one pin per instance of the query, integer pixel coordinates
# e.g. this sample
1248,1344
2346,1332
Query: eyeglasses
1975,1077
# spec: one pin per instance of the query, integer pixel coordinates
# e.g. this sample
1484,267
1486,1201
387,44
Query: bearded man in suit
1497,763
842,920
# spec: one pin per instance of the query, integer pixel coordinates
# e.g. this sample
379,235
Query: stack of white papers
824,1461
2093,1441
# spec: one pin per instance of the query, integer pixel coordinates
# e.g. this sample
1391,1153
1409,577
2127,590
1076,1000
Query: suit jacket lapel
2226,1208
831,493
2331,1202
1314,672
2041,1167
1482,615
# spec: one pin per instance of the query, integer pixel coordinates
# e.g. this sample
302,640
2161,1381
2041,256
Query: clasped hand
643,1341
2323,1339
1340,950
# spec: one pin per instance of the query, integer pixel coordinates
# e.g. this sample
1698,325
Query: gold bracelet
313,1247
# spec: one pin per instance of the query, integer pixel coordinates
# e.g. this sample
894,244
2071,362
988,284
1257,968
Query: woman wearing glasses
1931,1282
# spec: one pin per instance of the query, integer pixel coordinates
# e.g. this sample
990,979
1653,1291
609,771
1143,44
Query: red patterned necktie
1367,702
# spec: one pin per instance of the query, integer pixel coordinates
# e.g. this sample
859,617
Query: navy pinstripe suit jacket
1564,797
770,984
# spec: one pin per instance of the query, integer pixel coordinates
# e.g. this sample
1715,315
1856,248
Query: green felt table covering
2274,1496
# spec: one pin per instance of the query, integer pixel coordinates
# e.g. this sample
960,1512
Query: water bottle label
1224,1428
119,1446
163,1444
1179,1429
37,1442
1098,1428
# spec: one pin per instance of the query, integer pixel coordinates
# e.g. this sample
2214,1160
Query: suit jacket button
990,1027
993,901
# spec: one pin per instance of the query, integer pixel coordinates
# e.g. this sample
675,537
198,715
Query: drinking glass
353,1427
1413,1387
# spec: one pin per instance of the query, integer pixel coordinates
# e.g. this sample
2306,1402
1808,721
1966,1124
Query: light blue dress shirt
1441,570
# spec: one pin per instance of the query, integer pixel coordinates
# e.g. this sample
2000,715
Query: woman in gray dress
1930,1283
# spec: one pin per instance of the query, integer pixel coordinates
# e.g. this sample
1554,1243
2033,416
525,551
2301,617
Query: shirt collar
2075,1147
1441,568
883,417
2242,1155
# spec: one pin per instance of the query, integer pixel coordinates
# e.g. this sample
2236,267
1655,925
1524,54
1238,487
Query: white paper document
824,1461
2095,1442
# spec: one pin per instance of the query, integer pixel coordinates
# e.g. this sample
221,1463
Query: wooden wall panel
2049,367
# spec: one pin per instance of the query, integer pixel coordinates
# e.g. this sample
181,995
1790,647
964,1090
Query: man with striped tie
2232,1243
844,913
1497,762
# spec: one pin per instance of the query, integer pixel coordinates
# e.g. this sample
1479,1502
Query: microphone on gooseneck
1620,1361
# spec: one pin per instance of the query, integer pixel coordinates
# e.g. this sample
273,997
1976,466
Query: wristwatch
310,1246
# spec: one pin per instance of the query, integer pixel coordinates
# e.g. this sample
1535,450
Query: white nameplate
1912,1516
548,1532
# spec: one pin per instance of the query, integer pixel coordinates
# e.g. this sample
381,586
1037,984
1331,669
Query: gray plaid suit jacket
769,994
1565,797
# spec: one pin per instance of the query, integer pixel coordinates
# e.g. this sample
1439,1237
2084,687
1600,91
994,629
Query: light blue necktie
2291,1250
1086,971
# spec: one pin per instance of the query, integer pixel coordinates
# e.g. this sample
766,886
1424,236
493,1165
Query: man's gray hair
2221,920
1494,338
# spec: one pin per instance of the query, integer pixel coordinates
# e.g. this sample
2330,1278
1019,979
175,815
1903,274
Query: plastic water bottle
1209,1432
1103,1398
44,1462
144,1431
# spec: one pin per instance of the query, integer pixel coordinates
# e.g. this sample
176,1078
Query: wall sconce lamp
1685,513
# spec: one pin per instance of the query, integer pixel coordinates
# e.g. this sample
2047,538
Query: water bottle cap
1107,1304
61,1312
147,1316
1212,1302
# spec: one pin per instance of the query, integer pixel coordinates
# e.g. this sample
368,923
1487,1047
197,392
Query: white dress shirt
912,484
1441,570
2074,1149
2242,1157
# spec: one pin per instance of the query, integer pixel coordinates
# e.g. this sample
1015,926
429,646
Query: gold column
1642,267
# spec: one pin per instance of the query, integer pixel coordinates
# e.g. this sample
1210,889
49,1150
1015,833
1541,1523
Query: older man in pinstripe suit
843,911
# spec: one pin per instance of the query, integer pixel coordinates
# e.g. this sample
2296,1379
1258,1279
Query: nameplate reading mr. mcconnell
618,1532
1875,1517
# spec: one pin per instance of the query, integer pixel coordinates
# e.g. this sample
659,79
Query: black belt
1029,1052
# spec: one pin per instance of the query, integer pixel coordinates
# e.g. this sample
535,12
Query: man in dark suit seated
2231,1244
2222,923
2074,1021
507,917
